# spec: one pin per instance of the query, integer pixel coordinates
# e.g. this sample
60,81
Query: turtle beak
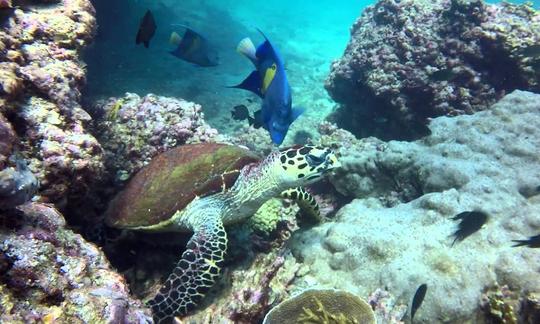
332,162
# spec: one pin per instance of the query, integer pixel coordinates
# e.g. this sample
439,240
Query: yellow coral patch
51,317
113,113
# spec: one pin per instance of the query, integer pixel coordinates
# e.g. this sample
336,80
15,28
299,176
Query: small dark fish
418,299
380,120
471,221
240,112
5,14
443,75
194,48
530,51
147,29
532,242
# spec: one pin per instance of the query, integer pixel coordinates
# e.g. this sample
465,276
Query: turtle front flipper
194,274
309,209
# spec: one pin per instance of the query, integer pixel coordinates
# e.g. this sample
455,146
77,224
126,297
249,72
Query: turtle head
306,164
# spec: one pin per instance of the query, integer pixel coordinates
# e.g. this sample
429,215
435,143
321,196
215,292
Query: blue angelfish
269,81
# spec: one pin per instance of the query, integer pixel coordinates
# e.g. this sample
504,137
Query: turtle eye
314,160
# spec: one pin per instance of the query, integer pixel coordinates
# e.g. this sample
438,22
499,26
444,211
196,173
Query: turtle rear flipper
195,273
309,209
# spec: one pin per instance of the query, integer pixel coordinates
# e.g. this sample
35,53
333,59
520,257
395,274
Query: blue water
309,35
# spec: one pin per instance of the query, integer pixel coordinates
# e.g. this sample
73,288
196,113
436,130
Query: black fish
418,299
147,29
5,14
194,48
240,112
530,51
471,221
532,242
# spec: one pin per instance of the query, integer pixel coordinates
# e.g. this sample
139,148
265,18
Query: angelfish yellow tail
246,48
175,39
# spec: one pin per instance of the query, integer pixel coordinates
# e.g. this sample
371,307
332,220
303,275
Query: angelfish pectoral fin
195,273
296,112
251,83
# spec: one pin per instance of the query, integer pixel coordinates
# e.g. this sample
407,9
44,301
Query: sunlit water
309,35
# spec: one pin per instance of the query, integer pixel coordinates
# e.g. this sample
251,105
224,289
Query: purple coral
132,129
410,60
7,140
40,82
48,273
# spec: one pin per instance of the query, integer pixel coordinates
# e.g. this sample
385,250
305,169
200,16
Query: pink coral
47,269
7,140
132,129
385,308
41,78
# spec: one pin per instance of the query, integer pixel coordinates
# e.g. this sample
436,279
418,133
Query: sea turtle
201,188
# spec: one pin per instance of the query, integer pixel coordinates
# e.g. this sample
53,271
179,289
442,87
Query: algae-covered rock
322,306
487,161
134,129
408,61
41,78
49,274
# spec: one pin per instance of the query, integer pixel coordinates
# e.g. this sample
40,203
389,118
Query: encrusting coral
50,274
266,219
405,196
132,129
40,82
500,304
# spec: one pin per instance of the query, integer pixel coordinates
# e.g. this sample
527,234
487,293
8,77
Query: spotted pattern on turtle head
308,162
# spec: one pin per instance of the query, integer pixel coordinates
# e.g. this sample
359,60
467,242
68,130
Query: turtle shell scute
173,179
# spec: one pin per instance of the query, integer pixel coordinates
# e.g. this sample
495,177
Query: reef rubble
411,60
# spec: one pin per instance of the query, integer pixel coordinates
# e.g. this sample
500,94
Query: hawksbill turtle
201,188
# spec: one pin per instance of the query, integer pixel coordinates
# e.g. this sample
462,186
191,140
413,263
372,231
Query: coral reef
256,140
132,129
17,185
7,141
500,305
482,161
265,221
410,60
50,274
322,306
385,308
40,82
